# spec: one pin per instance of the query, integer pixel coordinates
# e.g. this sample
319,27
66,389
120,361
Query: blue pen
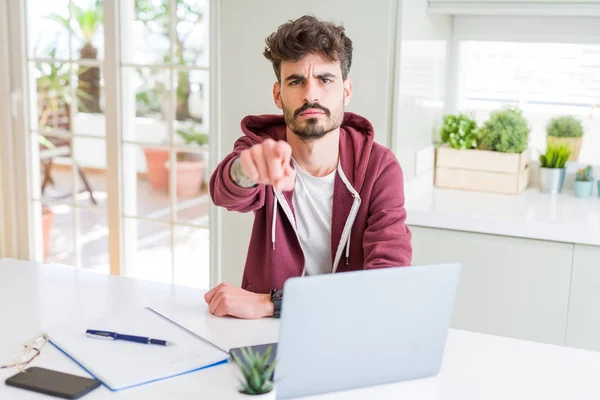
130,338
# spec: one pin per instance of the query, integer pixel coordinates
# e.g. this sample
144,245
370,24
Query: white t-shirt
313,203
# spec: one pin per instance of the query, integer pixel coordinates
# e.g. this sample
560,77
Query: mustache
308,106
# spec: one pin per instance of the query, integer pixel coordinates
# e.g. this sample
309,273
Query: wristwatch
277,298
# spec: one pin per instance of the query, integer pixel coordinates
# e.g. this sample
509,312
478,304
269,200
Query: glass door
118,117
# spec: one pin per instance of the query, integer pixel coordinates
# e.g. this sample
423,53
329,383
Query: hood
356,140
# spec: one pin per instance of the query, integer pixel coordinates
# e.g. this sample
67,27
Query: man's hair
307,35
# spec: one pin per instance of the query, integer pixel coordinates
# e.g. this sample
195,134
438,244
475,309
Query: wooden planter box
480,170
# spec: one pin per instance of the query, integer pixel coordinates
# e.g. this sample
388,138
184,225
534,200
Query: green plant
556,156
585,174
152,94
257,373
459,131
566,126
505,131
191,136
155,17
84,24
54,91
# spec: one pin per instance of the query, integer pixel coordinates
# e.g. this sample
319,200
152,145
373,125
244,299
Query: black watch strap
277,299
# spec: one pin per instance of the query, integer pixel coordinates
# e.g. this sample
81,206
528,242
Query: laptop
362,328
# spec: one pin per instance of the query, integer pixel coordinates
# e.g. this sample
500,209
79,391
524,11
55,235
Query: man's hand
268,163
226,299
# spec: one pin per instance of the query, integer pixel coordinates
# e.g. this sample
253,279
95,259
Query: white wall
247,78
421,80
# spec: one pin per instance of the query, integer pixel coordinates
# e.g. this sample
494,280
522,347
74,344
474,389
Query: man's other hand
229,300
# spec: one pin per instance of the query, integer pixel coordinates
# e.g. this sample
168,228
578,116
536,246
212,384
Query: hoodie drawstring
274,220
348,248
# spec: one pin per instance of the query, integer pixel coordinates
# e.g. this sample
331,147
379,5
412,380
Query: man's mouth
312,112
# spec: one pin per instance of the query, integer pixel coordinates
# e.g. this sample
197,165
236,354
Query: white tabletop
475,366
531,214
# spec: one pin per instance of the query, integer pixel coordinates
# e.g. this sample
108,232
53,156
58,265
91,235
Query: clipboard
121,365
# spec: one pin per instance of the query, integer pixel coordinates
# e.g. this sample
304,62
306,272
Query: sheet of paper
120,364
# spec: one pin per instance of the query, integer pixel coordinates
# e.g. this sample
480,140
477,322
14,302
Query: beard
310,129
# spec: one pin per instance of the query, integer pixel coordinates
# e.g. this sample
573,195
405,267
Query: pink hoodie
368,224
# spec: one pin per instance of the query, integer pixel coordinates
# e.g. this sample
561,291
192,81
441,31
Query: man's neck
318,157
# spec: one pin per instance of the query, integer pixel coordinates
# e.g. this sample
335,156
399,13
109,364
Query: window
543,79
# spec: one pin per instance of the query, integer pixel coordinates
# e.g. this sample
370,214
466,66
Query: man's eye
296,82
326,80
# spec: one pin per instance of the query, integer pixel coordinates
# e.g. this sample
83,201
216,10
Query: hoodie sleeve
226,193
387,241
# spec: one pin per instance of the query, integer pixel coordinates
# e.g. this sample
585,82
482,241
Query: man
325,197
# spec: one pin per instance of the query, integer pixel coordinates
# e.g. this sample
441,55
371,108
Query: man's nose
311,92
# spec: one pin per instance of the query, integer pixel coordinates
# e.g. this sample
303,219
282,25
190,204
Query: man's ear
347,91
277,95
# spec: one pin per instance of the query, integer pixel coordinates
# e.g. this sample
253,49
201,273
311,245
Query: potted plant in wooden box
566,130
493,158
552,171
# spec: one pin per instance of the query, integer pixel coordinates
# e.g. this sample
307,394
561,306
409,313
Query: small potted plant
584,182
257,372
552,171
566,130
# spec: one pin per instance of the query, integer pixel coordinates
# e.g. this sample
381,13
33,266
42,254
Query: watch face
277,295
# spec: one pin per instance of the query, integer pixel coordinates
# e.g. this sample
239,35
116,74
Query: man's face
313,96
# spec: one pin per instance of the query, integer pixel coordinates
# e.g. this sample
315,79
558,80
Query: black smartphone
53,383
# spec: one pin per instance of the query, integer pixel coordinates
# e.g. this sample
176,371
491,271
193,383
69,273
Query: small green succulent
257,373
585,174
556,156
459,131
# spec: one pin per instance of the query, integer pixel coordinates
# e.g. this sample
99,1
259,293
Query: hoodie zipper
349,221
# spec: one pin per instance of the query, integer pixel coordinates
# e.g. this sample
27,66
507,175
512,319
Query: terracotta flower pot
189,177
47,222
573,143
157,174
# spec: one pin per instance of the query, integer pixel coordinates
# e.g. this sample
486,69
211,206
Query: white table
475,366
